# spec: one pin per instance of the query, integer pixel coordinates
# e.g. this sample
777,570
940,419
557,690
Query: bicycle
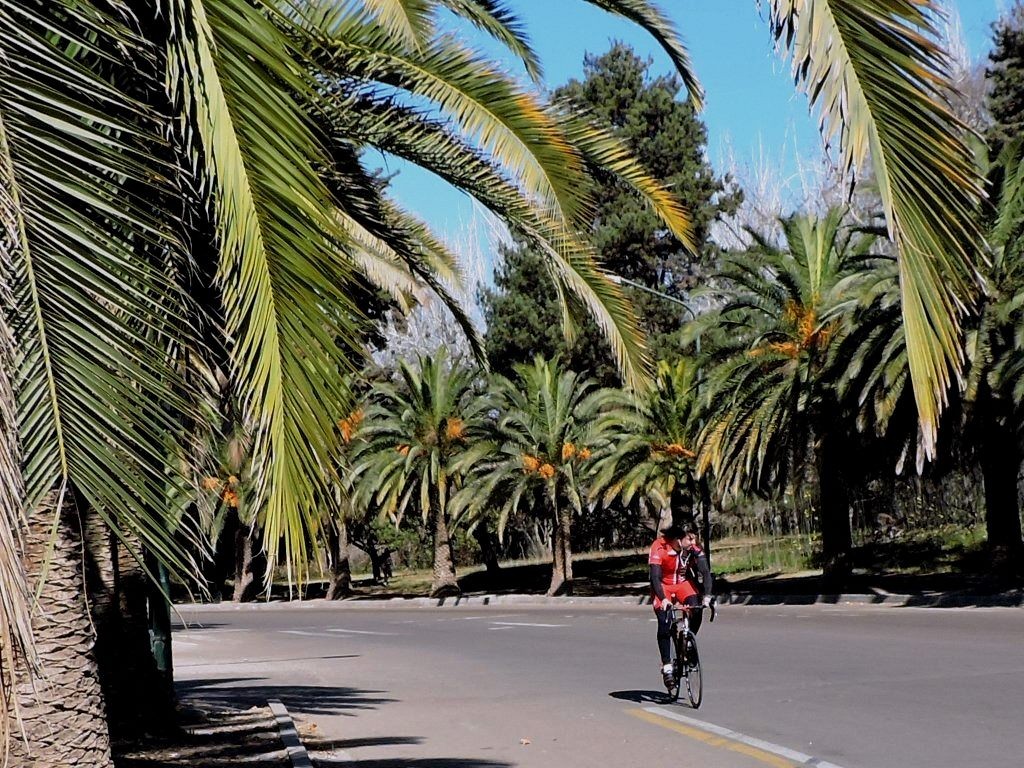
686,664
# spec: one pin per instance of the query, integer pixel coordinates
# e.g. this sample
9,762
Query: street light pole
705,494
619,280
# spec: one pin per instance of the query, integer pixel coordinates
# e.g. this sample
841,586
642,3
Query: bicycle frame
681,615
686,662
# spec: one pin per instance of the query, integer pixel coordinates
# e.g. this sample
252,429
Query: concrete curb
1013,599
297,753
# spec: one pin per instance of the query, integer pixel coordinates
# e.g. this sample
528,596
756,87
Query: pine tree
522,311
1006,78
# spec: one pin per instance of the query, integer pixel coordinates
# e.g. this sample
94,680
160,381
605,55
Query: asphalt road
566,686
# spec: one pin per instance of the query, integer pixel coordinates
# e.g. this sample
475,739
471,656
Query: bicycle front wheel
692,672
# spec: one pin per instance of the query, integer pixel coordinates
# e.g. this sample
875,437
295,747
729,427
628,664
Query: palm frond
604,150
650,17
16,637
1010,211
86,189
584,288
409,22
495,19
243,86
508,122
880,78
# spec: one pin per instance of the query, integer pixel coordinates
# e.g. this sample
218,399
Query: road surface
566,686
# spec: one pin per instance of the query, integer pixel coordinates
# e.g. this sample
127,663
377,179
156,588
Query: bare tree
429,325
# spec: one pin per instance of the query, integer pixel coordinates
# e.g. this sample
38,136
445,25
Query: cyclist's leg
664,635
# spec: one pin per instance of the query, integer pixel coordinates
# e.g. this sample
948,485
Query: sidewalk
249,738
805,588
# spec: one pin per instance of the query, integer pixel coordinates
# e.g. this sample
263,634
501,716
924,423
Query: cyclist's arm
702,568
659,591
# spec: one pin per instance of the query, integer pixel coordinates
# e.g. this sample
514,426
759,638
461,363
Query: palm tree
995,391
184,187
545,425
985,424
770,394
416,448
653,454
169,168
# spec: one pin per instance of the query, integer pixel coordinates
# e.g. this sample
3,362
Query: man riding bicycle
680,574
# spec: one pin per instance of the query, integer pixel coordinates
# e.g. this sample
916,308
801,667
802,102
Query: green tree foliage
523,312
773,415
985,425
1006,78
653,452
544,430
415,448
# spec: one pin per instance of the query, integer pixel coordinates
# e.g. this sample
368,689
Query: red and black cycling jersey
676,567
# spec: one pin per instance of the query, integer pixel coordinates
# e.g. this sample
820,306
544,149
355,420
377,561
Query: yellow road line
712,740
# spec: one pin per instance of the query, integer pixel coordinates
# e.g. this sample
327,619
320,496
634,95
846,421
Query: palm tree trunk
679,510
250,565
706,502
64,712
1000,463
138,700
561,550
834,508
341,568
221,562
445,583
488,547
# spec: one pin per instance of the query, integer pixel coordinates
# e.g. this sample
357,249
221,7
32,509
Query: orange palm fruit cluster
546,471
403,449
350,424
530,463
673,449
211,483
455,429
568,451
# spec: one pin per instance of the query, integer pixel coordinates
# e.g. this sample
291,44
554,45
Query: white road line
767,746
524,624
206,631
359,632
479,618
303,633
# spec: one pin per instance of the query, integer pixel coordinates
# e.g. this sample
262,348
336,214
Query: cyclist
679,572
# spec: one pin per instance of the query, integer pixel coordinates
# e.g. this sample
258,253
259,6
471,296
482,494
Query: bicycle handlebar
712,605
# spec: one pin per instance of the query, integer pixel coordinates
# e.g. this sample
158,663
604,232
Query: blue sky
751,104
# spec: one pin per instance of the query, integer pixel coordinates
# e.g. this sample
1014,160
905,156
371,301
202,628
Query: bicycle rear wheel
692,672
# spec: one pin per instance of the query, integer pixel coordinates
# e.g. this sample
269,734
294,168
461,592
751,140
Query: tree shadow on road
329,745
642,697
331,752
238,693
